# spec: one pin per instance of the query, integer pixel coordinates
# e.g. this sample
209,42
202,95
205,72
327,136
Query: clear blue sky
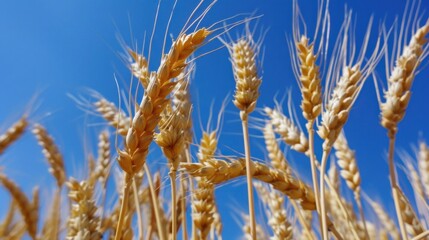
49,49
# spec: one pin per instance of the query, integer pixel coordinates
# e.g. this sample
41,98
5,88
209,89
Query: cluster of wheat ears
330,80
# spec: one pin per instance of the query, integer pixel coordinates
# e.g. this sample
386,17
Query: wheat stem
172,175
421,235
323,212
394,185
125,195
192,187
244,119
138,211
159,225
314,177
183,206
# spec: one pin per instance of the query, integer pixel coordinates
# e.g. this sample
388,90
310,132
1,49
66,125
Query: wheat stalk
245,68
397,97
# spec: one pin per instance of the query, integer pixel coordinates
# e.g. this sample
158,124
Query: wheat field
215,120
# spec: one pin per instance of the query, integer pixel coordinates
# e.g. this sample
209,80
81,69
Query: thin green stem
244,121
394,185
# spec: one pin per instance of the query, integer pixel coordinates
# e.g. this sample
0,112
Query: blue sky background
49,49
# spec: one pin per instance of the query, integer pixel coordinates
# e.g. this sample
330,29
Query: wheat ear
83,222
385,220
172,142
423,166
6,223
139,68
285,127
278,159
349,171
397,97
412,223
203,201
29,210
276,213
52,154
140,134
114,116
245,67
13,133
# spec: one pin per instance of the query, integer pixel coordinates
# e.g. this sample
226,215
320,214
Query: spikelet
83,222
218,171
347,162
139,68
309,79
52,154
245,67
397,95
289,132
13,133
114,116
140,133
276,213
278,159
29,210
423,163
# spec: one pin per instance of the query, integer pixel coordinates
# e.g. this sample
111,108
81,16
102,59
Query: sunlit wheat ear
203,201
398,93
182,102
423,163
278,159
13,133
309,79
286,128
347,162
218,171
414,179
114,116
245,67
412,223
140,133
83,222
139,68
29,210
52,154
171,139
102,169
52,223
385,221
276,212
